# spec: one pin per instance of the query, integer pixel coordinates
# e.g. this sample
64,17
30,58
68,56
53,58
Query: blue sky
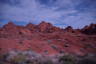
61,13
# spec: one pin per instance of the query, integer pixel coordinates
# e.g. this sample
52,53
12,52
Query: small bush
18,59
67,59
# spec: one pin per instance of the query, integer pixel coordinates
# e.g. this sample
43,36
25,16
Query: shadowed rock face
91,29
48,39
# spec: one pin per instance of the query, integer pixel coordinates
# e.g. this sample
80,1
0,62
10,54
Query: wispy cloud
68,12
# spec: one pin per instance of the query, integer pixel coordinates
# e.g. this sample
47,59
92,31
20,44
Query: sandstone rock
31,26
44,26
47,27
48,39
10,25
69,29
91,29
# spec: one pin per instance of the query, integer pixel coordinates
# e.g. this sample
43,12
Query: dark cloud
10,2
47,2
86,5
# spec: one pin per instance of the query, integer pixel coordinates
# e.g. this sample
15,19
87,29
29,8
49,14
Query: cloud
59,13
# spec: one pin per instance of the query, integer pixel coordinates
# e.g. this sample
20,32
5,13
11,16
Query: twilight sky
61,13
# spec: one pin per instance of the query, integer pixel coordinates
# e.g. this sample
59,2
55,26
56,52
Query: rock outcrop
48,39
91,29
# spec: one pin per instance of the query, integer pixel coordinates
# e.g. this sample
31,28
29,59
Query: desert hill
45,38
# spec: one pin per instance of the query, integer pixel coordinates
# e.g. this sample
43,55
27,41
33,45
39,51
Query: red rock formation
47,27
45,37
9,25
32,27
69,29
44,27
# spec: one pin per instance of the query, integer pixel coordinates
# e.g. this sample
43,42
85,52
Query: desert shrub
22,57
19,59
45,61
67,59
3,58
87,61
48,62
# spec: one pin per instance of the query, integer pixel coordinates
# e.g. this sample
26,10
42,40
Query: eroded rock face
9,25
69,29
47,27
48,39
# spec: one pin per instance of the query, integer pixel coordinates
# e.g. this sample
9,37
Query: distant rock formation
69,29
47,27
91,29
9,26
